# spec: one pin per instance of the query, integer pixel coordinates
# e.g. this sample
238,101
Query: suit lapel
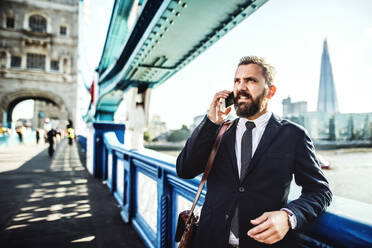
271,130
230,137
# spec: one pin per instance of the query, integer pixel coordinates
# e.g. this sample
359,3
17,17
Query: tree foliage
179,134
147,136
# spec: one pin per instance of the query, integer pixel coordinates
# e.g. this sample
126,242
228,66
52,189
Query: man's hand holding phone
217,113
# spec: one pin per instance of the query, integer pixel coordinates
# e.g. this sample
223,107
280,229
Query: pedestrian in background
19,131
70,134
51,134
37,135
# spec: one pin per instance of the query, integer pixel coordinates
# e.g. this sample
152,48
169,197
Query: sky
288,33
24,110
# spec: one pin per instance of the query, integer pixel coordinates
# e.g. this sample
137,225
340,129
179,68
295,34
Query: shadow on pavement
56,203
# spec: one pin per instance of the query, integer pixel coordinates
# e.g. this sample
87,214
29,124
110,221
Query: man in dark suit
247,189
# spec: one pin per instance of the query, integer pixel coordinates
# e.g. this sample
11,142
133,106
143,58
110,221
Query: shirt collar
259,122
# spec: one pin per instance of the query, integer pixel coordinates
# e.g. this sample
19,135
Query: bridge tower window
35,61
15,61
10,22
54,65
63,30
38,23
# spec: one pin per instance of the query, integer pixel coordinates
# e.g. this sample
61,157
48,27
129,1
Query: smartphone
230,100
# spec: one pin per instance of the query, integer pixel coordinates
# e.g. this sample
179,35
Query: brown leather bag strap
208,167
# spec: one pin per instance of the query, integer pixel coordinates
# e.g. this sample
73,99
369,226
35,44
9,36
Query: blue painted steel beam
117,33
167,35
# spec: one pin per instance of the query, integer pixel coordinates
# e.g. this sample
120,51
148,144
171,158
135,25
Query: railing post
130,190
96,163
164,221
111,170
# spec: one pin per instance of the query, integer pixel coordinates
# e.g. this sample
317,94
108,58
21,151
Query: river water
350,175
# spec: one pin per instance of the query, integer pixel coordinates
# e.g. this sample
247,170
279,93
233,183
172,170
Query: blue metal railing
82,141
126,165
123,169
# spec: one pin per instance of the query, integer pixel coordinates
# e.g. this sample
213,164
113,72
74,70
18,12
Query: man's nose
242,86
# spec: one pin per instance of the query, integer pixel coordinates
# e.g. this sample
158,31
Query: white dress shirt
257,132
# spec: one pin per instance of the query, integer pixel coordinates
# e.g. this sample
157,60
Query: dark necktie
246,155
246,148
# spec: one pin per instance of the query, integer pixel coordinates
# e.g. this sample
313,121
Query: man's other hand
215,112
270,227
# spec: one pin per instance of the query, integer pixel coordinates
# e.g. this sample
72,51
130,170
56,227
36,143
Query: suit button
241,189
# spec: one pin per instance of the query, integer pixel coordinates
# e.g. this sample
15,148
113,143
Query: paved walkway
54,203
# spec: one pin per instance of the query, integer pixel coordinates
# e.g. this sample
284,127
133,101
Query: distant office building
353,126
38,57
196,121
327,124
293,108
337,127
157,127
327,97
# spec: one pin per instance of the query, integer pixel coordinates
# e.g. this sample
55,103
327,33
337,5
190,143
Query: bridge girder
167,35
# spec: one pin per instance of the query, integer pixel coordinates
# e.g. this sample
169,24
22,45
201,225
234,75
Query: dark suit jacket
285,149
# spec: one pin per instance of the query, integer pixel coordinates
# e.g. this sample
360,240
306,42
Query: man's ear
272,90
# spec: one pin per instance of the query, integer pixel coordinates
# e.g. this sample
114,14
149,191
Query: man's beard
249,109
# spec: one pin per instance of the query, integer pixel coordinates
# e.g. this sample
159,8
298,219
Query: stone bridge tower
38,57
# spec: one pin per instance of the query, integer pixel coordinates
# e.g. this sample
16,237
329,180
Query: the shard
327,98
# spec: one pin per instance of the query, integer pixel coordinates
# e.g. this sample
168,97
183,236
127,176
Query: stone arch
8,102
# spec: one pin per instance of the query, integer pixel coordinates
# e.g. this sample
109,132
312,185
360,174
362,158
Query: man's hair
268,71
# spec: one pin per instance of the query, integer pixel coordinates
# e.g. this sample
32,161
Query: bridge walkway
54,202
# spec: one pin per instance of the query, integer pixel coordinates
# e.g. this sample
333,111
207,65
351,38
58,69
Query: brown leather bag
187,222
187,226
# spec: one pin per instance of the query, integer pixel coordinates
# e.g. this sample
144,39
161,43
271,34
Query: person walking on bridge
70,134
51,134
246,204
37,132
